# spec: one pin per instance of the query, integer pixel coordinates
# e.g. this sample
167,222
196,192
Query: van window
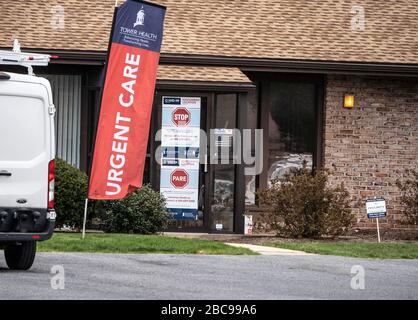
22,128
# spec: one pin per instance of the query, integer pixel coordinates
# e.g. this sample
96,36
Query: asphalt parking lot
156,276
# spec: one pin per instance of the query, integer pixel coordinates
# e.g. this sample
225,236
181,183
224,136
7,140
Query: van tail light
51,184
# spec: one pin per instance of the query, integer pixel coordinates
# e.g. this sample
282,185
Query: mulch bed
356,235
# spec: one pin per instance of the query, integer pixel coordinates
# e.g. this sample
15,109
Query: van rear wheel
20,256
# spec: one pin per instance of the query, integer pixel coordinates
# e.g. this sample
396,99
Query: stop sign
181,116
179,178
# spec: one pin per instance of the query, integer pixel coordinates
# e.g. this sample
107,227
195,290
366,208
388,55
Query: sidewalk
269,251
226,238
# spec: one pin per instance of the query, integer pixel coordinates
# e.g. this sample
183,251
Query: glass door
217,172
178,183
222,168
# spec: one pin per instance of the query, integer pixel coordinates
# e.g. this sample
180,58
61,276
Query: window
222,204
291,126
252,123
22,127
66,91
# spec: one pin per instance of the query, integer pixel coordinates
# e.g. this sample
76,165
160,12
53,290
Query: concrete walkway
269,251
263,250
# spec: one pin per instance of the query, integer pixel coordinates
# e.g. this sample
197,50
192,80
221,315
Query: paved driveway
153,276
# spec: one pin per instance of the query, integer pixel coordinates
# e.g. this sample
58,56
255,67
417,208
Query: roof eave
249,64
300,66
205,86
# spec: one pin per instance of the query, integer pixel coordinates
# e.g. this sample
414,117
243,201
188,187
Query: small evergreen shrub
70,194
409,190
143,211
301,204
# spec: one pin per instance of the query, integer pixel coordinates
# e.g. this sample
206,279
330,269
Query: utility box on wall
248,224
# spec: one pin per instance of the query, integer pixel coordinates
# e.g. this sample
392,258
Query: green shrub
409,199
70,194
300,204
143,211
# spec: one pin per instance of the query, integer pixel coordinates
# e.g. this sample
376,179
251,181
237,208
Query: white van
27,152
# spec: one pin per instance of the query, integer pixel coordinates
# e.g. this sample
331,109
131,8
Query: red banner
125,113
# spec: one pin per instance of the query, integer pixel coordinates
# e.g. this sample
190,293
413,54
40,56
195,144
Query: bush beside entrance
409,190
70,194
301,204
141,212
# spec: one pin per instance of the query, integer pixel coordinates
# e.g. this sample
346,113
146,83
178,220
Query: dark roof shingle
199,73
279,29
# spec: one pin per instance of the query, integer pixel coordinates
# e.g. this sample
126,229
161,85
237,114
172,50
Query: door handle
5,173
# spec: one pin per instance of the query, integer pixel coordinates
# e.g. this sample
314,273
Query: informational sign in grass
376,208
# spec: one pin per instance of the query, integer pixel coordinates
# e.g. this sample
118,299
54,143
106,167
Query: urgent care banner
122,133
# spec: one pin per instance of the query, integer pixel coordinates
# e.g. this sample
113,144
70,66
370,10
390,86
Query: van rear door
25,144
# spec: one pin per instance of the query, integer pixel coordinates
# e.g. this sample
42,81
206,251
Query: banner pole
100,105
378,231
85,218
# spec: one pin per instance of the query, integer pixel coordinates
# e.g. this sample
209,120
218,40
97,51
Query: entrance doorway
217,172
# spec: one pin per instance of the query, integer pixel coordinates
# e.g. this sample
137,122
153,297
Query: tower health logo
140,18
133,35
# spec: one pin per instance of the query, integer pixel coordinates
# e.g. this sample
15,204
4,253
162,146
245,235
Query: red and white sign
180,142
179,178
181,117
128,93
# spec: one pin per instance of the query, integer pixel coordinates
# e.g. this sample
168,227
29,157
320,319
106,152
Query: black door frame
209,117
156,125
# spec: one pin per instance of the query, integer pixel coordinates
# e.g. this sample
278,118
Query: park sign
376,208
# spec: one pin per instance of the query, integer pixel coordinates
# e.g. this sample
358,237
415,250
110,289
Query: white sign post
376,208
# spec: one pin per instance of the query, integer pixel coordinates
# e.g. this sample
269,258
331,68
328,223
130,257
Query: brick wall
370,146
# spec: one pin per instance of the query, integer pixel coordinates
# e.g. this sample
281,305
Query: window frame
263,81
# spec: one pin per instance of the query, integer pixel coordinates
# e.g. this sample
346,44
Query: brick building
281,66
369,148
